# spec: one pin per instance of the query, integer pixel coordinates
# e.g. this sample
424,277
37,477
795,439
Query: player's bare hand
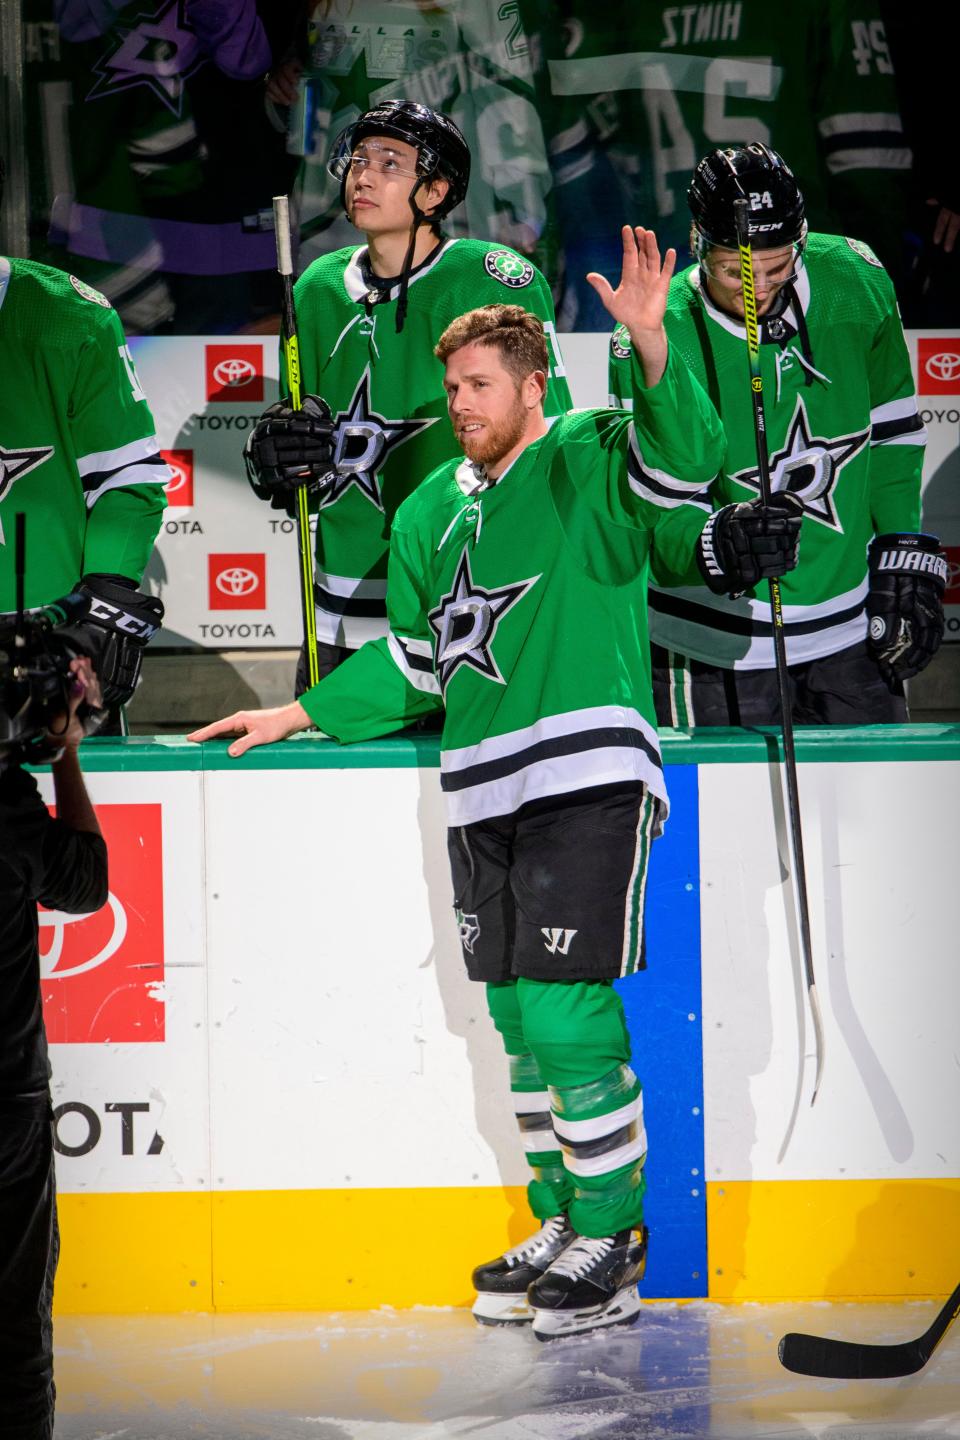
640,300
283,83
256,727
946,227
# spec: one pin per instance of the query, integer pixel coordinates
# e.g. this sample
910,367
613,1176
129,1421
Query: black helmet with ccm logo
746,172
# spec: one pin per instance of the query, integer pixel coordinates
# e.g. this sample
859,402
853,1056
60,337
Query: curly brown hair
510,329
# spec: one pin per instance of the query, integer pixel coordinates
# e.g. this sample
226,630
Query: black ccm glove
743,544
908,575
288,448
119,623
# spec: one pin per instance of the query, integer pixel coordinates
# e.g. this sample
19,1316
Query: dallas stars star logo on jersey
362,442
508,268
465,623
14,463
809,467
154,50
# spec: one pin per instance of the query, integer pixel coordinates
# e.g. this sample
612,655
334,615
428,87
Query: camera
36,649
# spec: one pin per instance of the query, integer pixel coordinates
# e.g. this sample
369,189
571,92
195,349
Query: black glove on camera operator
288,448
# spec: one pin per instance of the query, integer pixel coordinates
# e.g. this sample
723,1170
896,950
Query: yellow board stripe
359,1249
832,1239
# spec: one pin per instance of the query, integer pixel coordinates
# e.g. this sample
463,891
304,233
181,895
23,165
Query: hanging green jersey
664,85
521,606
78,453
386,392
843,435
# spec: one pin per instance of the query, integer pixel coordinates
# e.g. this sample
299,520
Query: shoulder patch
620,343
87,292
859,247
509,269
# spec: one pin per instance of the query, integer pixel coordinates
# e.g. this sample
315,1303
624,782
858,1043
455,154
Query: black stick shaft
779,645
291,353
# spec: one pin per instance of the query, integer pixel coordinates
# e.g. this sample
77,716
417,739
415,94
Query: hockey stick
291,355
741,209
849,1360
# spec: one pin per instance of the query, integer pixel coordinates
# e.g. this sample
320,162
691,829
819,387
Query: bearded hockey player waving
863,610
517,598
369,317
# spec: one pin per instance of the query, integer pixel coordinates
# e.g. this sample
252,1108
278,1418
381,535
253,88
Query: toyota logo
237,581
57,921
234,372
943,367
179,479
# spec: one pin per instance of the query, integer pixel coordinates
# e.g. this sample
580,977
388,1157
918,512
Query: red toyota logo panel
234,373
237,582
102,974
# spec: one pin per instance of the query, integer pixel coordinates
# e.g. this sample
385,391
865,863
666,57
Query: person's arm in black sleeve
73,870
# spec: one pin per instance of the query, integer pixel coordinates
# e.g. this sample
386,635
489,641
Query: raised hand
640,300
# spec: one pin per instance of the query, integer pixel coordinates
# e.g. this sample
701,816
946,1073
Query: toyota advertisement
226,565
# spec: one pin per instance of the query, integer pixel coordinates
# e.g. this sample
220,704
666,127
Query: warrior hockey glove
119,623
743,544
288,448
908,575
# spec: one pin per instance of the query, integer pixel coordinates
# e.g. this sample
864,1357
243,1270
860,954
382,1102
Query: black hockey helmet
746,172
441,149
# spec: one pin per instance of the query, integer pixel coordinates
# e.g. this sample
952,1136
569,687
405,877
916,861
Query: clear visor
723,265
379,155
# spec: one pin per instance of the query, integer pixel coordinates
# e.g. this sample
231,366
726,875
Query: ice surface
691,1370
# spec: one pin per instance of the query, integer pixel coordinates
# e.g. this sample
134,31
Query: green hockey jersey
386,392
843,434
78,453
521,606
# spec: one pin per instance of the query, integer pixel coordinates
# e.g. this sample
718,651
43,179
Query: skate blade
556,1324
502,1310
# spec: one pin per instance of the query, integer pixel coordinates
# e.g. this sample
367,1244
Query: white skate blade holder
621,1310
502,1309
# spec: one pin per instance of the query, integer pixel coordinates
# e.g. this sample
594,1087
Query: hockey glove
120,622
743,544
288,448
908,575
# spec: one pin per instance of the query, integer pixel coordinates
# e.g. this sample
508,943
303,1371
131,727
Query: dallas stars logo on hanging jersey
465,623
153,50
809,467
362,441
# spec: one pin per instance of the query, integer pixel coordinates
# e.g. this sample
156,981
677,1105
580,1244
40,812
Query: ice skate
502,1284
591,1285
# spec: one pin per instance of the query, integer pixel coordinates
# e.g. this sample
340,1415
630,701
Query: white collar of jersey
4,277
357,288
801,290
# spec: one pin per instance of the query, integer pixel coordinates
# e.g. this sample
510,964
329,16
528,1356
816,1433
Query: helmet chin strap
419,216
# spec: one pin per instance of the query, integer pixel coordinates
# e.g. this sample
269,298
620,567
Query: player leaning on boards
517,597
79,457
863,609
368,318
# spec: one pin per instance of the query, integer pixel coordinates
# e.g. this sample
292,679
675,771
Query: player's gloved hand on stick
908,575
288,448
746,543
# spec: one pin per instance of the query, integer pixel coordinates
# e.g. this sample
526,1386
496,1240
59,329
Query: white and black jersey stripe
601,745
658,486
136,463
897,422
739,634
349,612
872,140
414,659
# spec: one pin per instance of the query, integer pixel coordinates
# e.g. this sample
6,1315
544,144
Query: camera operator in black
62,863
